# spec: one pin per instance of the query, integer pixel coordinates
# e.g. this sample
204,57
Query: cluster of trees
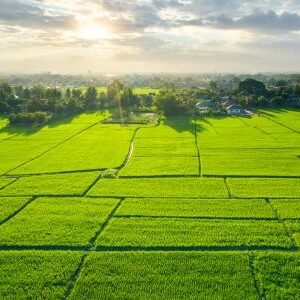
254,93
28,105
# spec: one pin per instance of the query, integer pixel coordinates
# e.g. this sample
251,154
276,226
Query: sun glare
93,32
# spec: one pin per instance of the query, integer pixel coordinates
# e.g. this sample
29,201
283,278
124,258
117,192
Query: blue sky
109,36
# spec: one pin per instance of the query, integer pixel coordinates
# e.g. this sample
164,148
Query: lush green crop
278,274
223,208
162,187
156,152
293,227
61,184
9,205
36,274
248,146
5,181
193,232
61,221
165,275
149,166
229,164
97,148
265,187
287,209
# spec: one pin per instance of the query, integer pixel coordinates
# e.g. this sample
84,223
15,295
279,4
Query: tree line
40,104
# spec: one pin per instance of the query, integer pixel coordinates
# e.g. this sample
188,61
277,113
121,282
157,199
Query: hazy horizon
150,36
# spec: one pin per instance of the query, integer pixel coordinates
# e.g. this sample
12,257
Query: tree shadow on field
24,130
189,124
273,112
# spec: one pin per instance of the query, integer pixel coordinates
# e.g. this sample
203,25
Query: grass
10,205
148,232
278,274
225,208
265,187
161,187
61,221
165,275
36,274
61,184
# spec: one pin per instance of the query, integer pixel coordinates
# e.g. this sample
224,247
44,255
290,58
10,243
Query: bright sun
93,32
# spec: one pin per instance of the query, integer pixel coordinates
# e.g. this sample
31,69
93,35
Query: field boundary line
198,148
155,176
102,248
75,276
90,187
8,184
55,146
195,218
260,294
228,188
281,221
93,240
57,173
16,212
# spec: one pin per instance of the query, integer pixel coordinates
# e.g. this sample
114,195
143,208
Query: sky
149,36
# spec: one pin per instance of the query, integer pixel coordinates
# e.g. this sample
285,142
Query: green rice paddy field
200,209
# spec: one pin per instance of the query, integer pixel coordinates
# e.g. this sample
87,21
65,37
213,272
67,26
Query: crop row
148,222
188,187
155,275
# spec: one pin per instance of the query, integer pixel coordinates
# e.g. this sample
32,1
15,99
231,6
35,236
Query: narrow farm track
130,151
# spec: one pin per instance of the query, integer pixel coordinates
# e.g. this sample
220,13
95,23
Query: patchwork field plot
202,208
62,184
166,275
161,187
100,147
160,232
194,209
57,222
28,143
248,146
265,187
